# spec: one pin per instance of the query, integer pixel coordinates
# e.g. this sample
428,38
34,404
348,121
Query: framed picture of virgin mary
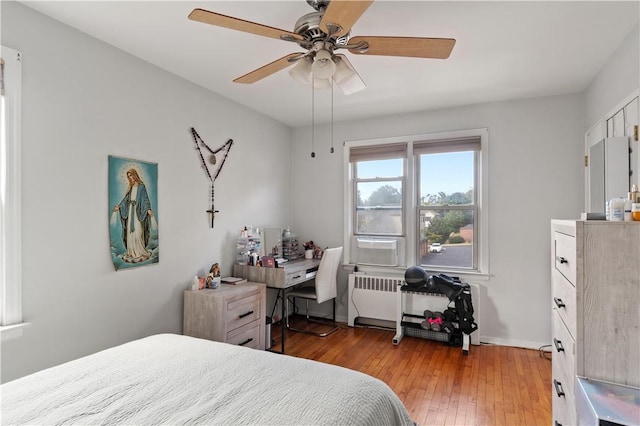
133,212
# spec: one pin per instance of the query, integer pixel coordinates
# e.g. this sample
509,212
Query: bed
170,379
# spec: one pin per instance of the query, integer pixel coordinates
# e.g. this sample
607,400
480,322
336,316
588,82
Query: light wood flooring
492,385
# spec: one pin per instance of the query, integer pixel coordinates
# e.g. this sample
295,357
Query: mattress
170,379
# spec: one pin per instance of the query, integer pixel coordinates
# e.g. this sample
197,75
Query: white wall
535,174
82,101
619,78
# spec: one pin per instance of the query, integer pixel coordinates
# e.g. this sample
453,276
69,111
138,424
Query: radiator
372,297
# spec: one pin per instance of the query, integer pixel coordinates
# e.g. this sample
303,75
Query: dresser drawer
563,397
563,348
242,310
565,256
248,335
564,301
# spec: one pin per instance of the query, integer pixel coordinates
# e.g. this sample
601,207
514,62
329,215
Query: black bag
459,293
464,306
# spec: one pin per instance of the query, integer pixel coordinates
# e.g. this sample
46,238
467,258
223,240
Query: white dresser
595,290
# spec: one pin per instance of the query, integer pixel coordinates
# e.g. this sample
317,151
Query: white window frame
11,321
411,201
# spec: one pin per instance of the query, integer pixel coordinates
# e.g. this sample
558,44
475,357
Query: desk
289,275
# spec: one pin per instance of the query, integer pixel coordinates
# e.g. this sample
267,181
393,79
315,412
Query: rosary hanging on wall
213,160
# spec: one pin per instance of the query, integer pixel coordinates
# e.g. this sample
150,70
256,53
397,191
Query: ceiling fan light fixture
346,77
351,84
323,66
321,83
302,71
343,71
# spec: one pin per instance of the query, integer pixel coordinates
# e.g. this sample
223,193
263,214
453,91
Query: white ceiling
505,50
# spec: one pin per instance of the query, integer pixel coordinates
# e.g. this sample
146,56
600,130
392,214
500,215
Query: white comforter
170,379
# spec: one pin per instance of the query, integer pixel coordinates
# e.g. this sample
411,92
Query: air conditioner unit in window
374,251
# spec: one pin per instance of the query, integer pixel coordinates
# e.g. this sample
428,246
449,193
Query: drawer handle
559,302
558,345
245,314
249,340
296,277
561,259
558,387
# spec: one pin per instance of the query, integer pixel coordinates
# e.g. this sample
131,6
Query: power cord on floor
543,353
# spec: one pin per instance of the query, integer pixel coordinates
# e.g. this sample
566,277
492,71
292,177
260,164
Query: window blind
447,145
378,152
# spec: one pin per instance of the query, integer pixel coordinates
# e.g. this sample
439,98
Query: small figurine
215,270
213,277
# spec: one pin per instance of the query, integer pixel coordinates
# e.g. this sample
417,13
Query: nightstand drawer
565,256
229,312
564,300
242,310
248,335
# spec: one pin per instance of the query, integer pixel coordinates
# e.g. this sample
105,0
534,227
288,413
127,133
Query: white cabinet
595,288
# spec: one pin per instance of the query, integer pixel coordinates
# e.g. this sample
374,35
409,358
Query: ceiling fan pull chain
332,87
313,116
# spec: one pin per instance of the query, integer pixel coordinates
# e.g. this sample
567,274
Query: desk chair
325,288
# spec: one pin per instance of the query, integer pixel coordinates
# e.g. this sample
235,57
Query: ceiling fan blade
344,13
415,47
351,84
220,20
267,70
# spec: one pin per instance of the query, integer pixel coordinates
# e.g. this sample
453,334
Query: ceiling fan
321,33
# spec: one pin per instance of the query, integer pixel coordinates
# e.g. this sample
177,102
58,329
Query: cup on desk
308,254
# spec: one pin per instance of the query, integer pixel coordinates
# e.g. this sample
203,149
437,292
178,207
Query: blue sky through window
447,172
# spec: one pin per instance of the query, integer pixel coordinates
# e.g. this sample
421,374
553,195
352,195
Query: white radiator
372,297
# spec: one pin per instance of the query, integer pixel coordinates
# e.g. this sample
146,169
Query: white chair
325,288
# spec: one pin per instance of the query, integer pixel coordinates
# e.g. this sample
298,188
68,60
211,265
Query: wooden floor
492,385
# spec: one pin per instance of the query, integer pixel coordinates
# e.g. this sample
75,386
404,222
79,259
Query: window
10,201
426,193
379,188
447,206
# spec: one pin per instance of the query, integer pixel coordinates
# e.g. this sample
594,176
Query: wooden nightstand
231,313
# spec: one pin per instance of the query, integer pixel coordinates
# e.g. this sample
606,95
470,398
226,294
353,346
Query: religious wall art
133,207
213,167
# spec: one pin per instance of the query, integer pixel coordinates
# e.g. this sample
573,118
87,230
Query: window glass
379,168
447,178
379,208
379,197
447,238
447,234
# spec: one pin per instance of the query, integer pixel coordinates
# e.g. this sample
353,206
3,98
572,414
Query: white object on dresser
595,287
231,313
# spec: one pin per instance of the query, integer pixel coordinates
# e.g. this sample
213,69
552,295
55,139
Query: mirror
608,172
596,178
272,241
